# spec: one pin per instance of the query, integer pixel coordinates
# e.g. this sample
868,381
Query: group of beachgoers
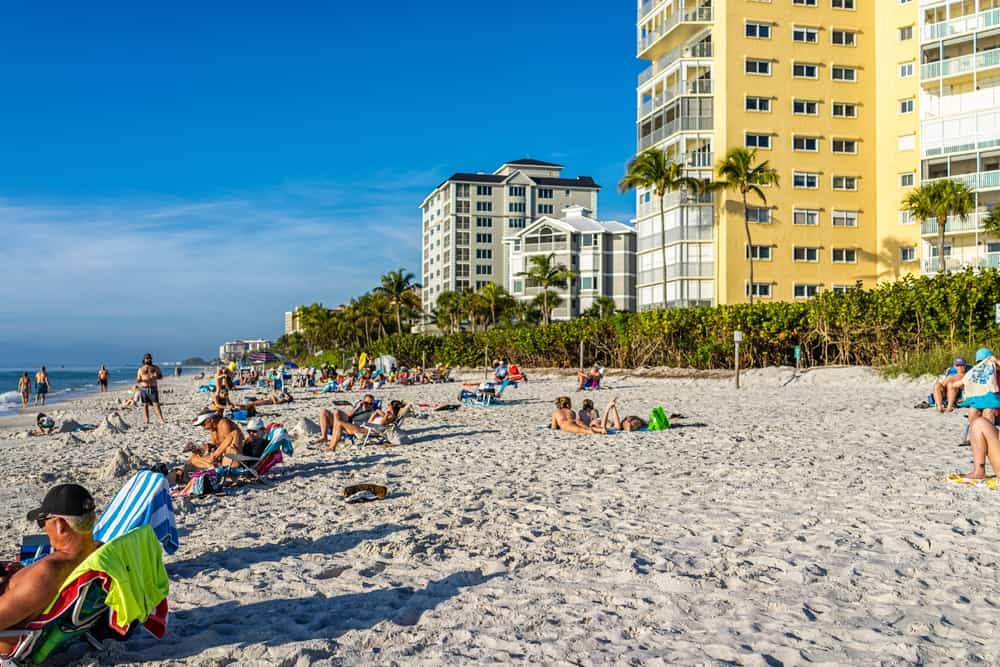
41,387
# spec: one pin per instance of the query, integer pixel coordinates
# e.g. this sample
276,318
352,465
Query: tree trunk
941,222
663,246
746,227
399,321
546,315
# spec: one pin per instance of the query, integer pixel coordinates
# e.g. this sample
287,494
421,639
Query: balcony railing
691,269
698,15
679,125
983,180
700,50
672,200
989,260
955,225
960,64
963,24
675,234
696,87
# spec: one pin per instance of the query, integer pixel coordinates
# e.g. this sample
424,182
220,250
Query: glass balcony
696,87
694,124
675,234
700,50
962,25
983,180
648,38
988,260
955,225
960,65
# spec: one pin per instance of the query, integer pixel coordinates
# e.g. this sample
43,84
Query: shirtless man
41,385
330,419
946,389
67,516
149,393
225,438
24,388
102,379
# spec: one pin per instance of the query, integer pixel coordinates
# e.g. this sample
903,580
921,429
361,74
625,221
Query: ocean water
64,384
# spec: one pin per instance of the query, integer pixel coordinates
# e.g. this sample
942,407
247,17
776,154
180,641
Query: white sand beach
792,521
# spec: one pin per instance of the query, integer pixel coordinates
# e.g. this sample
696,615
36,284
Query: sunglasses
42,520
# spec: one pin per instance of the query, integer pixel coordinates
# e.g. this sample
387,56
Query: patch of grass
935,360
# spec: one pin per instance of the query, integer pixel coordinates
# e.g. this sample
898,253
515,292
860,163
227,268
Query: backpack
658,420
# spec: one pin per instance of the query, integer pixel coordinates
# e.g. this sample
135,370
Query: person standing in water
41,385
102,379
146,377
24,388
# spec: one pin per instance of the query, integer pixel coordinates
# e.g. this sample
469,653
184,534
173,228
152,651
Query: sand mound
68,426
304,427
117,420
112,425
70,439
121,464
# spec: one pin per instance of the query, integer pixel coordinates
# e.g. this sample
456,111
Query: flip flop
377,491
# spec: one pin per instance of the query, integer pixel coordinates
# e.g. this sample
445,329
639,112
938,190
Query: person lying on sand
276,398
67,515
385,417
44,424
225,438
630,423
564,419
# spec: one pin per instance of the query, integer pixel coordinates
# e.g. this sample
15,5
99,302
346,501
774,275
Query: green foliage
938,200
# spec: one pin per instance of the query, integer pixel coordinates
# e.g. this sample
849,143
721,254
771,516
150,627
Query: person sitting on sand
225,438
44,424
588,413
67,515
132,400
328,419
589,378
221,402
564,419
385,417
947,388
501,371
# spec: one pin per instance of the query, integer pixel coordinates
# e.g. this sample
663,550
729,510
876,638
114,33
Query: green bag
658,420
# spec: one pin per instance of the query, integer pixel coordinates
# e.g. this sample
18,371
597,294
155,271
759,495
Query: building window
905,33
758,214
461,207
800,291
908,254
762,290
805,107
518,286
845,182
462,190
844,38
545,193
515,207
905,218
484,238
841,289
810,144
805,254
805,70
844,218
907,180
516,191
906,142
755,66
484,222
484,270
515,223
805,216
761,252
843,4
805,35
484,206
587,240
847,146
845,110
545,209
842,73
587,283
845,256
758,140
906,70
805,180
484,190
484,253
906,106
461,222
758,104
756,30
804,3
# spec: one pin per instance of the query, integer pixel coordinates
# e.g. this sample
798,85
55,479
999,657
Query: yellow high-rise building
844,99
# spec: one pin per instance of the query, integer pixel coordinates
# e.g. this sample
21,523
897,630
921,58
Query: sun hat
255,424
64,500
983,353
960,361
204,417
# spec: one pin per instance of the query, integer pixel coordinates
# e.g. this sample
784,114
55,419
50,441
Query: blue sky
172,177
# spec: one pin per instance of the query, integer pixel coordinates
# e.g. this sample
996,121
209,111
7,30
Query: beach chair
122,584
143,500
378,434
256,468
488,393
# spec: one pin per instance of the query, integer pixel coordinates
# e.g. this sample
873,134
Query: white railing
698,15
989,260
675,234
696,87
955,225
963,24
983,180
960,64
663,62
679,125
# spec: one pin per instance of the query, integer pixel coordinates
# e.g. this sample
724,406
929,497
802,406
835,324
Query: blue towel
145,499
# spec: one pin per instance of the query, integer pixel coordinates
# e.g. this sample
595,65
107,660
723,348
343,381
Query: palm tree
547,301
939,200
545,273
449,311
741,172
655,170
603,306
397,285
496,299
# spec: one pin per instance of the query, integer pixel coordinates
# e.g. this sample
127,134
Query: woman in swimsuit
588,414
24,388
630,423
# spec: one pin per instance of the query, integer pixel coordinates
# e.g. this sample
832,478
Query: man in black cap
67,515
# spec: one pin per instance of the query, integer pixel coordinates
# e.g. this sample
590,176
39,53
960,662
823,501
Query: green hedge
880,326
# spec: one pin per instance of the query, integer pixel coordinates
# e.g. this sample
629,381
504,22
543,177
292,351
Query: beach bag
980,386
658,420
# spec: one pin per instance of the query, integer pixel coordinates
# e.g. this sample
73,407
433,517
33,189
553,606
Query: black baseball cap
64,500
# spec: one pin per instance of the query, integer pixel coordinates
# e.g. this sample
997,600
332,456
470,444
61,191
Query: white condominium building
600,254
467,219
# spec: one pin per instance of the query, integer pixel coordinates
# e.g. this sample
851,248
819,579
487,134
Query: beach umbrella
291,364
264,357
386,362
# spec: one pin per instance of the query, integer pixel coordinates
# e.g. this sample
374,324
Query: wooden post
581,354
737,339
423,360
486,363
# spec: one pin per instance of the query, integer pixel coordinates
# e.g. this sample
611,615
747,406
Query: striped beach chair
144,499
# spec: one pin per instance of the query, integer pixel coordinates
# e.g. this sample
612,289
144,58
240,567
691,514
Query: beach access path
791,521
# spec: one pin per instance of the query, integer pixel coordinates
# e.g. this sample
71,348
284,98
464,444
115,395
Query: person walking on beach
41,385
102,379
146,377
24,388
